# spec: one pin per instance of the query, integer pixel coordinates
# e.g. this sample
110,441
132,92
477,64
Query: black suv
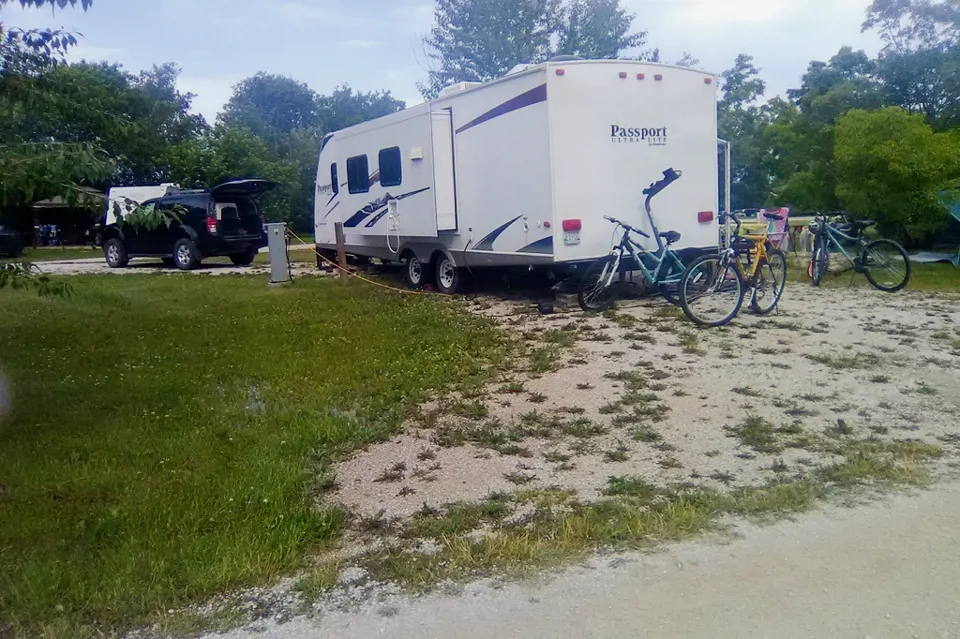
11,244
222,221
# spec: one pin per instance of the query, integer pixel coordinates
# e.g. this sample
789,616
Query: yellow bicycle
713,287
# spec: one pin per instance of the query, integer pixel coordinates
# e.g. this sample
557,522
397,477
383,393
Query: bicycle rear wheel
599,285
771,279
886,265
670,283
711,291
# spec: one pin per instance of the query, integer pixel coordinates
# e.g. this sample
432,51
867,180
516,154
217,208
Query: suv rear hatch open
237,216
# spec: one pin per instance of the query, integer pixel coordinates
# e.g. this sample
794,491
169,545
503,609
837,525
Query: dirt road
890,569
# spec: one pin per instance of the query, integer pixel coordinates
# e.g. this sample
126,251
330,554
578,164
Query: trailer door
444,170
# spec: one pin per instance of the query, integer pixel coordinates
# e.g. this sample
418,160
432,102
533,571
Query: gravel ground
853,359
889,569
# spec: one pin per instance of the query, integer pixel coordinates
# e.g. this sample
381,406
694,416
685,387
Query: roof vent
458,87
566,58
520,68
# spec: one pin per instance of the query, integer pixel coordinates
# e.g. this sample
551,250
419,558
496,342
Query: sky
376,44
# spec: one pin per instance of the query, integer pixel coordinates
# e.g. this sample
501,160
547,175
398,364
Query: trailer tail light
570,226
560,72
641,76
212,224
623,75
708,80
546,224
705,216
658,77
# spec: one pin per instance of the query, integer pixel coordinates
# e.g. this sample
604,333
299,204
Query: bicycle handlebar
625,225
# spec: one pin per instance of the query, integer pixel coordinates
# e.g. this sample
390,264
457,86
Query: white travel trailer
521,171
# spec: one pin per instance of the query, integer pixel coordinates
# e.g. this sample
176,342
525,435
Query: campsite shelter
76,223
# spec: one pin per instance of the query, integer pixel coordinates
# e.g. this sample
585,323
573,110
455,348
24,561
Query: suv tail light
212,224
571,225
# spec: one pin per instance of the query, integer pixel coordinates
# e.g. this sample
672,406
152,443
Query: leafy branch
23,275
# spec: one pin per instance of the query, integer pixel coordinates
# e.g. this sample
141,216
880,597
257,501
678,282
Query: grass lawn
924,277
167,435
50,253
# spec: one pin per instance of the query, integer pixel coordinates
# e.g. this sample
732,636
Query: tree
920,62
28,166
134,118
480,40
271,106
891,166
597,29
741,121
344,107
34,167
800,140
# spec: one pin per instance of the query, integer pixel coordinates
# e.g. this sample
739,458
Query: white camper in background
521,170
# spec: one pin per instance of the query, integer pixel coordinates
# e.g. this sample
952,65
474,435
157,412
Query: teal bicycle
883,262
600,284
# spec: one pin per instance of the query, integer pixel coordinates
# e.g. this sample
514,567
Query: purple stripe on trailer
531,97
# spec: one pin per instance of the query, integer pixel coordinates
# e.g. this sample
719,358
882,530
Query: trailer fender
438,253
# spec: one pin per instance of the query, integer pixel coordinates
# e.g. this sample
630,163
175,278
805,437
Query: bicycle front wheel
820,261
771,278
711,291
886,265
598,286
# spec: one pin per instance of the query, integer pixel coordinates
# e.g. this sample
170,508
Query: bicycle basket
753,228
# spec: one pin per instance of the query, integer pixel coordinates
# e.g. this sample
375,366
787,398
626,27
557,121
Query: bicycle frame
831,234
627,245
755,255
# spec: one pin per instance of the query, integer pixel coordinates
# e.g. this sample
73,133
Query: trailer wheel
448,276
415,272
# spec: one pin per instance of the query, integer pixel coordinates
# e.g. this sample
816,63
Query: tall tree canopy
891,167
34,165
479,40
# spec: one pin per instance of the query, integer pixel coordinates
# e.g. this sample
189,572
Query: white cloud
362,44
301,13
211,93
94,54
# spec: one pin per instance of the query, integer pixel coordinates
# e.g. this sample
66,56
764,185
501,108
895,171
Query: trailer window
334,178
390,170
358,174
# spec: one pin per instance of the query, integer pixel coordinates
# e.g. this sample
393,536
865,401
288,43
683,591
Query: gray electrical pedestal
277,244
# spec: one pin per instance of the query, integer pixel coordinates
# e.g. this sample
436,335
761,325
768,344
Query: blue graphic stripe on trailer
373,207
377,218
355,219
543,245
486,244
331,210
531,97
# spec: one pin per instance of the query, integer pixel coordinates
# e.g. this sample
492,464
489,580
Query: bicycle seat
671,237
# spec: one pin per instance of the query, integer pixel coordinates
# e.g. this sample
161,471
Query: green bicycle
600,284
885,263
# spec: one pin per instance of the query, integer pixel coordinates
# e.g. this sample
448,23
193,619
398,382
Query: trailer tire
415,272
448,276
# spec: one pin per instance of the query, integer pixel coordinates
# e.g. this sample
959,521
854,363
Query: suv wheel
115,253
185,256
